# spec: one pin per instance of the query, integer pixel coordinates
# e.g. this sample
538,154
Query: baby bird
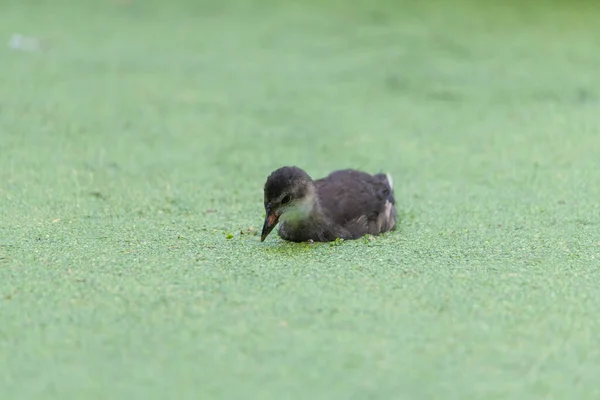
347,204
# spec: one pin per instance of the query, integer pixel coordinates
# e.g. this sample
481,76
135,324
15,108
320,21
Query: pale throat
301,209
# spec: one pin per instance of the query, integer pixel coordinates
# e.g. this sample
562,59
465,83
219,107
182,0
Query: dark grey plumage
347,204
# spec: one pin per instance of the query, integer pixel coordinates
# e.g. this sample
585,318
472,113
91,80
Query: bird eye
286,199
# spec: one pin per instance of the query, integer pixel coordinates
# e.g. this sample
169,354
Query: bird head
288,195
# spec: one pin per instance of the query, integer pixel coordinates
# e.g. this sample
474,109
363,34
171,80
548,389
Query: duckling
346,204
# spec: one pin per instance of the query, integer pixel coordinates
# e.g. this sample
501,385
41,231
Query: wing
354,199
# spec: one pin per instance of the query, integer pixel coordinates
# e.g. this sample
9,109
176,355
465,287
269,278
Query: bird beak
270,222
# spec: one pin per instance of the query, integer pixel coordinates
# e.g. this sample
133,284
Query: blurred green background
134,143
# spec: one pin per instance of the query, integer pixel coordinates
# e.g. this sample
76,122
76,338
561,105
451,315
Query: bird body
346,204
